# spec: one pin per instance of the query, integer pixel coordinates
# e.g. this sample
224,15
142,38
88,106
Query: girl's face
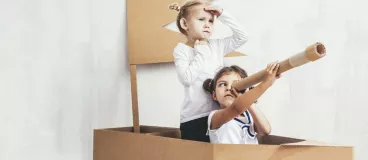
222,93
199,23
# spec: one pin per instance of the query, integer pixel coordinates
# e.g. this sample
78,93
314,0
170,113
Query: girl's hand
271,71
214,10
174,6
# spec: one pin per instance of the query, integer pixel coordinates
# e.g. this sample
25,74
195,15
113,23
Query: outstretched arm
262,126
244,101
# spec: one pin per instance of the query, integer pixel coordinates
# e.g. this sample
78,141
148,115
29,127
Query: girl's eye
222,84
201,19
211,21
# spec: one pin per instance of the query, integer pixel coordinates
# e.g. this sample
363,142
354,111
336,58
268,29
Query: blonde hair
184,11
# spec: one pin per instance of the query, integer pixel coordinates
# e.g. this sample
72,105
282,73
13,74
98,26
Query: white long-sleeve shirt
195,65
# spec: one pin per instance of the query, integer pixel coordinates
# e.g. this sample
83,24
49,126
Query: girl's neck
190,43
240,116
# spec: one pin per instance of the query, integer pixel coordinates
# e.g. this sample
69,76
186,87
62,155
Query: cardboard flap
115,145
153,129
306,143
168,134
277,140
144,129
278,152
120,129
311,143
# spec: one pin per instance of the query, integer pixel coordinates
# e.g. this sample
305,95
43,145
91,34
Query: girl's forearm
262,125
243,102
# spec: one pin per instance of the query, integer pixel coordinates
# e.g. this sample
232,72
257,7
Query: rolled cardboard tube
311,53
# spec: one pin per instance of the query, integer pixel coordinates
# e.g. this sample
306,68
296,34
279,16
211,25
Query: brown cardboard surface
308,143
277,140
288,141
277,152
143,129
134,92
120,129
169,134
235,54
164,143
148,40
119,145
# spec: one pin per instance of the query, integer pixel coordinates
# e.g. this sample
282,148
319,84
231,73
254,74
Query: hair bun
174,6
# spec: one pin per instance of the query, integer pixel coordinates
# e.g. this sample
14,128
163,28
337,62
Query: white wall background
64,72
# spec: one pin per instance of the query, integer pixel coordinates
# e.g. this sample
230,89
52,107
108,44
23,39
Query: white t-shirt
235,131
195,65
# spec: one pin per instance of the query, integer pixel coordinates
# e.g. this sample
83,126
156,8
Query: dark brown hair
184,11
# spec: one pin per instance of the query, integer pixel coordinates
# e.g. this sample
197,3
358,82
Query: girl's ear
183,23
214,95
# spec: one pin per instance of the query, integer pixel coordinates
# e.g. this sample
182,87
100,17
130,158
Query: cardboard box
162,143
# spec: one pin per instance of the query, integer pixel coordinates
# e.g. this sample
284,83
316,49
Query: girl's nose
206,25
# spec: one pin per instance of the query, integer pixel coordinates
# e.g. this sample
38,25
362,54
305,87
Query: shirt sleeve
239,36
187,69
209,130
